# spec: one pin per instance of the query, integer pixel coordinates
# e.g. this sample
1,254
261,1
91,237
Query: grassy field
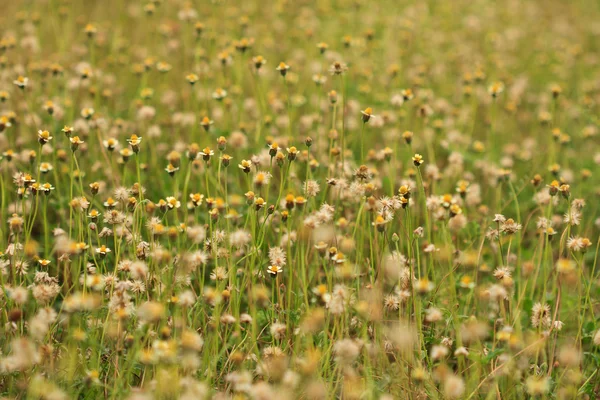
299,199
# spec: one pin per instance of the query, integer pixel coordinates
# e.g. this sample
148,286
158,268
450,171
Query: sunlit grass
299,199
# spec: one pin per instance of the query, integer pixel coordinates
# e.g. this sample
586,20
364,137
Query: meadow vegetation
299,199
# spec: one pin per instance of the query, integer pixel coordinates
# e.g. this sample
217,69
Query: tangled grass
299,199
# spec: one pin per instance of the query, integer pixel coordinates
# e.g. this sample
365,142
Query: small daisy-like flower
94,187
387,153
455,210
283,68
404,202
262,178
319,79
15,222
82,246
273,149
244,44
45,167
292,153
417,160
46,188
206,123
75,142
495,89
564,189
171,169
27,180
147,93
274,270
338,258
4,123
43,262
199,28
90,30
192,151
258,62
408,137
191,78
556,132
35,188
407,94
554,169
134,141
222,143
380,222
279,158
103,250
213,213
125,153
44,137
367,113
110,144
93,376
32,155
299,201
196,199
219,94
503,174
338,68
172,202
67,130
225,160
333,96
564,139
49,107
289,201
87,112
207,153
163,67
94,214
462,188
245,165
110,203
565,266
224,57
259,203
21,81
587,243
466,282
322,46
86,73
424,285
162,205
131,203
